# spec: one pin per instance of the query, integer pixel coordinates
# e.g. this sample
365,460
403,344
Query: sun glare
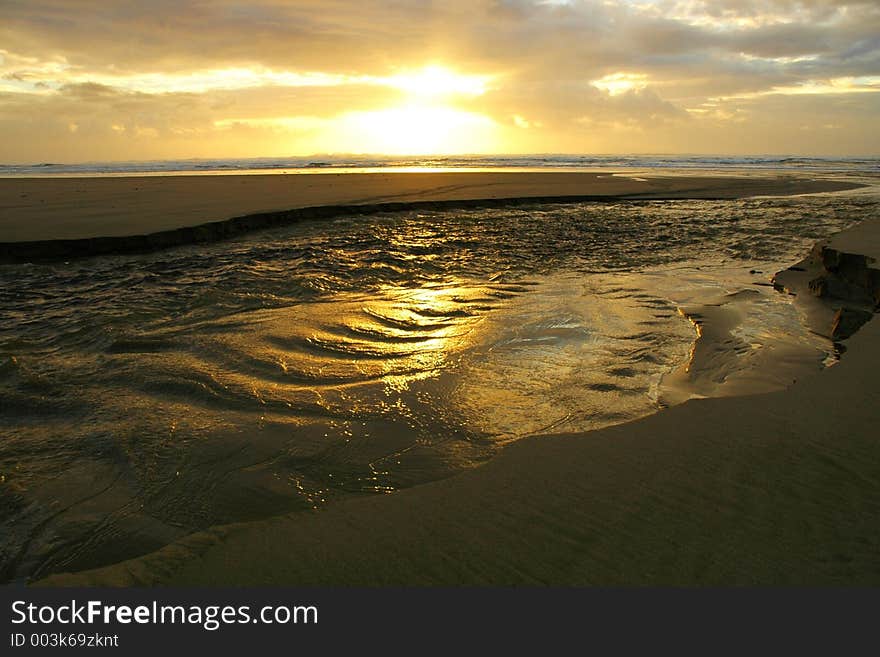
618,83
427,123
434,81
420,130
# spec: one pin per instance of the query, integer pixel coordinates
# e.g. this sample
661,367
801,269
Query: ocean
318,163
144,397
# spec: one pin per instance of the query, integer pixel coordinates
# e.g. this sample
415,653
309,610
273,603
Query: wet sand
46,218
780,488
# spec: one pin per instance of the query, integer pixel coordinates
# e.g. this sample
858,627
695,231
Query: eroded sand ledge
62,218
779,488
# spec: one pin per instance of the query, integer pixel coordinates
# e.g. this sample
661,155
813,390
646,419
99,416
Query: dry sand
778,488
38,210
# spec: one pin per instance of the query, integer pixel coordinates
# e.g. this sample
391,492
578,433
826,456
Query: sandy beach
68,217
532,322
780,488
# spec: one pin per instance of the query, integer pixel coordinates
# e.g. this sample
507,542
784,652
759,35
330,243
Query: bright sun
433,81
428,123
419,129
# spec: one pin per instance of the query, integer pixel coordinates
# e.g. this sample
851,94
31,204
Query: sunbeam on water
146,397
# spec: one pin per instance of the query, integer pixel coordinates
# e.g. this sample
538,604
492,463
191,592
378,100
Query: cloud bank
91,80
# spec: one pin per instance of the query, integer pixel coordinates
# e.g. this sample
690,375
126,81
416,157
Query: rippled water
144,397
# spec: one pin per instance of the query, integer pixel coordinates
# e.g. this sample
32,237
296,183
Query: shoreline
720,491
60,219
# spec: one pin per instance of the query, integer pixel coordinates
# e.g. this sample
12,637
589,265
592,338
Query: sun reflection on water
282,371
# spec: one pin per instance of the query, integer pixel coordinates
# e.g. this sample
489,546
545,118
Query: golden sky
87,80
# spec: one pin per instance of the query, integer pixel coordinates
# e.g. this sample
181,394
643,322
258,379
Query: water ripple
142,397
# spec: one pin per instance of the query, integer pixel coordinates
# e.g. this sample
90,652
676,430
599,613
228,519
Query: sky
91,80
